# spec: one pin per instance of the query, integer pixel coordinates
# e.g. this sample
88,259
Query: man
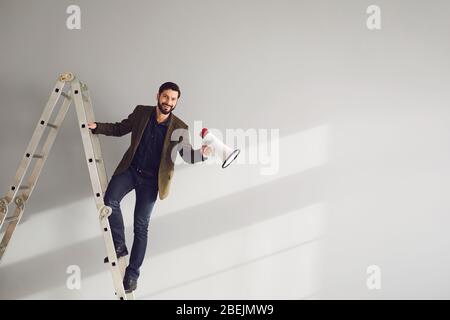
147,166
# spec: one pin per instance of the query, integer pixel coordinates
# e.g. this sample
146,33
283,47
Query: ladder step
11,219
24,187
51,125
65,95
39,156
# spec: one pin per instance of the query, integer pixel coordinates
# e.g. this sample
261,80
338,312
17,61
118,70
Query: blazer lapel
142,125
169,132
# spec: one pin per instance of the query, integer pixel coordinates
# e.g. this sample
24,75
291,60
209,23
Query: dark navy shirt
148,153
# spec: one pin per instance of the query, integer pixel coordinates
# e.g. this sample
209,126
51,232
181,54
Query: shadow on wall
249,207
239,266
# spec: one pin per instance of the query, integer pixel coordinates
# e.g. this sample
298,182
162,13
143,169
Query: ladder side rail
13,221
104,211
42,157
36,137
122,261
95,142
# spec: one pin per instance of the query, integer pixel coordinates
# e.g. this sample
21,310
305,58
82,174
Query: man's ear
157,97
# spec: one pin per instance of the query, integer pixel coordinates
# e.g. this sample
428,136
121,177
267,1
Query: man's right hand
91,125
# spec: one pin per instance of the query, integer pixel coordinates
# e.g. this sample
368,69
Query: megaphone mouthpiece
204,132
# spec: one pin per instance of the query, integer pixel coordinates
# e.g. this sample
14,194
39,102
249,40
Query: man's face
167,101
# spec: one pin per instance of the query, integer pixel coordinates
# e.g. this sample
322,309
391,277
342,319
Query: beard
165,109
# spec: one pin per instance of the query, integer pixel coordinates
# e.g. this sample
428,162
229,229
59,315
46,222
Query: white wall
362,118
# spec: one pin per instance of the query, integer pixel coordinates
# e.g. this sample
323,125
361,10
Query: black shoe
129,285
119,255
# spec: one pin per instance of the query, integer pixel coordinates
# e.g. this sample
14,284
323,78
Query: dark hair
170,86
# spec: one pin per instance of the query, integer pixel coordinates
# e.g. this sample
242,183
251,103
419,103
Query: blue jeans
146,188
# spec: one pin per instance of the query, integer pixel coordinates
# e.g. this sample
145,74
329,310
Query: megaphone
224,152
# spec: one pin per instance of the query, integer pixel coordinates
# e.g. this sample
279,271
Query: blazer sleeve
117,129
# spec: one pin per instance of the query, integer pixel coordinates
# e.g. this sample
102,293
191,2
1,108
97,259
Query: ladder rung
65,95
52,125
39,156
11,219
24,187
